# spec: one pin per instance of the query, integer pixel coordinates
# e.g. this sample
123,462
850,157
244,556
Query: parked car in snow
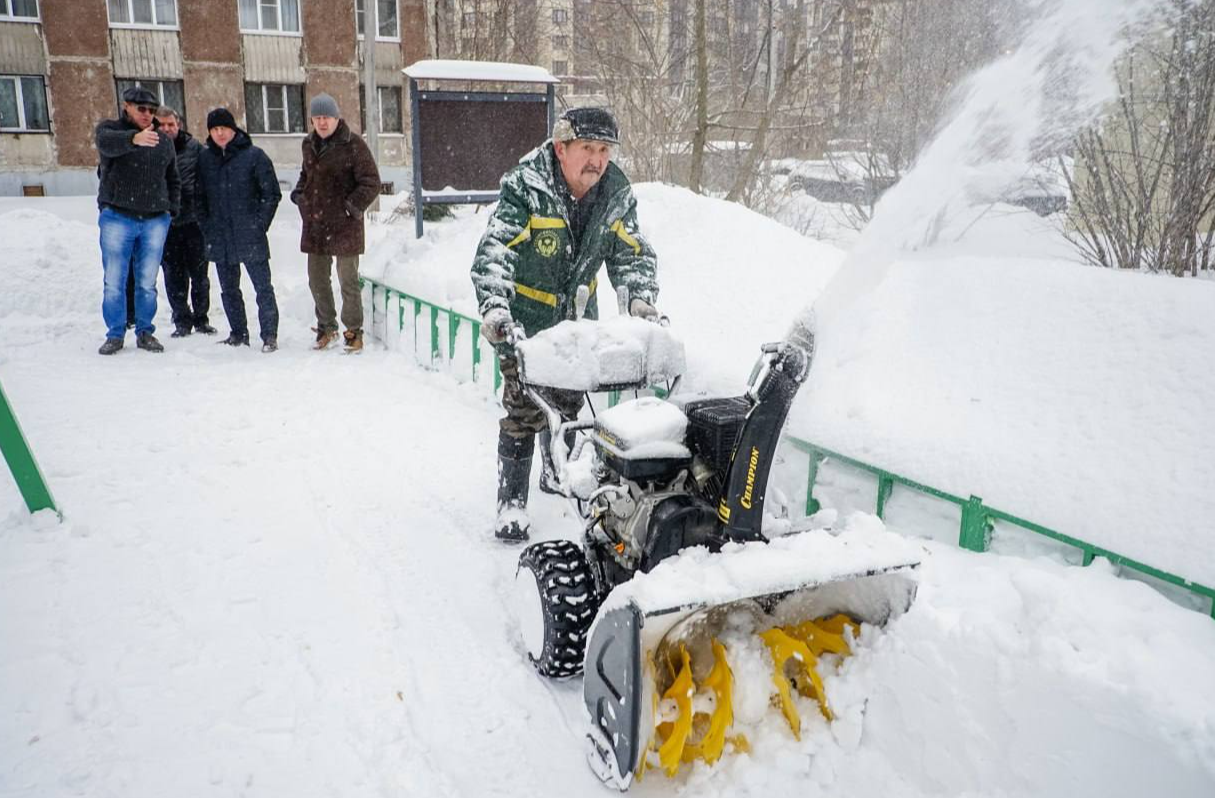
841,176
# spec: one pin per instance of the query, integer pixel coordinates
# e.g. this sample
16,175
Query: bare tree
701,134
1143,183
917,53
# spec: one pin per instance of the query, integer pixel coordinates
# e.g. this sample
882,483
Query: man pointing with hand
139,191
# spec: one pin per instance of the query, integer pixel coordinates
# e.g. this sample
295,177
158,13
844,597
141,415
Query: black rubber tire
568,602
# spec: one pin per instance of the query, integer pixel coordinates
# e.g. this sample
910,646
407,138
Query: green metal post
976,526
21,461
417,311
497,373
434,334
453,327
812,504
885,488
475,326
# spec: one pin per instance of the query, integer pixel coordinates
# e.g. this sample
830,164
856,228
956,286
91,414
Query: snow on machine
654,629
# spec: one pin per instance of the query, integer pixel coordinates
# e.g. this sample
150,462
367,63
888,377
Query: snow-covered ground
275,574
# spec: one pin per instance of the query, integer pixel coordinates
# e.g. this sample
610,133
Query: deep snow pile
1060,393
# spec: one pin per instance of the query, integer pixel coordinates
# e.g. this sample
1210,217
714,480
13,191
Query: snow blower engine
662,476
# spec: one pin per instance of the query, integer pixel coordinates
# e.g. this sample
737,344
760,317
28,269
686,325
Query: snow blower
673,561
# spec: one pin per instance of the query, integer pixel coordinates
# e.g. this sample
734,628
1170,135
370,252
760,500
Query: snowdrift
1071,396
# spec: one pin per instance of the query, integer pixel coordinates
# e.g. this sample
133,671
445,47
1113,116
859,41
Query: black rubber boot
514,473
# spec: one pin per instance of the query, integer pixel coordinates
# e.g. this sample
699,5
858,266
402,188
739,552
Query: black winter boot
514,472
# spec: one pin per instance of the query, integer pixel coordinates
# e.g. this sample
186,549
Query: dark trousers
320,267
186,280
234,301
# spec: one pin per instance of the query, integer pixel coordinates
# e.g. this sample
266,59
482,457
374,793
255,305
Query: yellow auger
683,710
804,643
707,710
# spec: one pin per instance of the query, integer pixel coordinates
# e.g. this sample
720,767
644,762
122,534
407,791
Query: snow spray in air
1028,103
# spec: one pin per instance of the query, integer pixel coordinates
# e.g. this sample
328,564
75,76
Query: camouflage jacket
526,260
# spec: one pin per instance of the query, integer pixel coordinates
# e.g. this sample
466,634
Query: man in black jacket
237,198
139,191
185,258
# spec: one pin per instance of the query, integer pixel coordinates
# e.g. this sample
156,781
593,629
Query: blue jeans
234,301
128,242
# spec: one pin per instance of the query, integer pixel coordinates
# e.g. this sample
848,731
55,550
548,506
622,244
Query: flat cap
596,124
140,96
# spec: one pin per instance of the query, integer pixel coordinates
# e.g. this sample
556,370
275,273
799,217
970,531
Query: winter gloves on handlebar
496,324
644,310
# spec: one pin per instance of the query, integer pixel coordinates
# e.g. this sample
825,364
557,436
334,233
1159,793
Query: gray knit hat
323,105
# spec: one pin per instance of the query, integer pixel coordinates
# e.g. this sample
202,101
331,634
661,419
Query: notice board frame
417,99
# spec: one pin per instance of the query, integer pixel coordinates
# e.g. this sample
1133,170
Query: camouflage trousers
523,418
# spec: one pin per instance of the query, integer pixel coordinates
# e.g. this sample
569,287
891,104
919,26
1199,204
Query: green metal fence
433,332
21,462
977,518
437,335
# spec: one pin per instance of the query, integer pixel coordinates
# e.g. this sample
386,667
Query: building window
561,67
646,18
470,19
269,16
157,13
390,108
385,17
560,15
23,103
168,92
274,108
19,10
561,42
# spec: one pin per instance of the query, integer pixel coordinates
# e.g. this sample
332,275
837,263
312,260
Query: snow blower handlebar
779,373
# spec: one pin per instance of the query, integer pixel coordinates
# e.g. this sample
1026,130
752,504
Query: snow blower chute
667,477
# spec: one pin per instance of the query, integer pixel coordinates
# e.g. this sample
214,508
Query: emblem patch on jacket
546,243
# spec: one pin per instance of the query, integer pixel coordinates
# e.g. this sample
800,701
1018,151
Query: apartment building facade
64,64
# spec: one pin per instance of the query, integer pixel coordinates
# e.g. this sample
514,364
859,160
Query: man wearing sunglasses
138,194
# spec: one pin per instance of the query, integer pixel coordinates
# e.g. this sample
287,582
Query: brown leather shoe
354,340
324,338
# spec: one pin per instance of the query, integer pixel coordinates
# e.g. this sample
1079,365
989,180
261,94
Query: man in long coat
338,182
563,212
238,195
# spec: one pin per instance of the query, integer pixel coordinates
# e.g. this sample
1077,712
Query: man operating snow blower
564,211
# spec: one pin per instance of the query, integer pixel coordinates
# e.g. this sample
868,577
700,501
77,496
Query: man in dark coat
563,212
237,198
185,258
138,193
338,182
